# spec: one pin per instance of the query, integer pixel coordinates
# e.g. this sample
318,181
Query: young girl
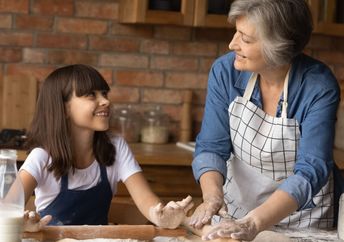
74,165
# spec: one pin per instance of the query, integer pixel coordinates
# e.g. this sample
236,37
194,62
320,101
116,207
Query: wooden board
18,103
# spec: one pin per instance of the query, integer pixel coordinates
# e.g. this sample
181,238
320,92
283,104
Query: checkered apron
264,155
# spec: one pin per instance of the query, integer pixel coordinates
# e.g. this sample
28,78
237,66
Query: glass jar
12,198
155,127
126,122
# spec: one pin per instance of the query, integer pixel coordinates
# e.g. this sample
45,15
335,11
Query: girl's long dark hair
49,128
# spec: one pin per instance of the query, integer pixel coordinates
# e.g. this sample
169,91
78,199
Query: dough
100,240
270,236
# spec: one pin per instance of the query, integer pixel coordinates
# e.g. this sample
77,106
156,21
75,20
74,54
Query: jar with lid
155,127
12,198
126,122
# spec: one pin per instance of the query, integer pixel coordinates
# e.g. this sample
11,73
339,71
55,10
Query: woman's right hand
33,222
205,211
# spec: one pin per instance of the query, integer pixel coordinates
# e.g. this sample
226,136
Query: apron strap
252,82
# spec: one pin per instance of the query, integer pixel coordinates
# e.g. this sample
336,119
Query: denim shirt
313,98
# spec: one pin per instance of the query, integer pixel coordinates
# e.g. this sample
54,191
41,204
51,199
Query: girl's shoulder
38,154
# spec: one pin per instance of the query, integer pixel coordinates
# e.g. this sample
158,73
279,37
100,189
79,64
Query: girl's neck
82,146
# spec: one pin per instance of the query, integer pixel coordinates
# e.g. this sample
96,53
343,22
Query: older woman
270,111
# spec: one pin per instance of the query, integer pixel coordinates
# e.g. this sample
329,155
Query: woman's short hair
284,26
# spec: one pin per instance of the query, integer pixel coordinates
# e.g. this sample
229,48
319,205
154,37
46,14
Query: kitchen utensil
141,232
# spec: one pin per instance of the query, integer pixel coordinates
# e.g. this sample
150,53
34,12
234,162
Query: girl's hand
33,222
171,215
205,211
240,229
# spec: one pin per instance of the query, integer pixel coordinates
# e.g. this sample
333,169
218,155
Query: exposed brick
198,97
123,60
208,34
205,64
320,42
186,80
94,9
107,74
10,54
14,6
37,56
172,33
16,39
36,71
114,44
124,95
223,48
330,57
132,30
50,40
195,48
29,22
174,63
86,26
161,96
5,21
72,57
139,78
53,7
155,46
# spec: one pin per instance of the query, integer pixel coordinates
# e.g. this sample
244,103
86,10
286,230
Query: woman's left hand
240,229
171,215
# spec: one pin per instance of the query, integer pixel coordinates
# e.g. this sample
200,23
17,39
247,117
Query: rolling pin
140,232
186,120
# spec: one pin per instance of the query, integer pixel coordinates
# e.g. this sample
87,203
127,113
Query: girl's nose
104,101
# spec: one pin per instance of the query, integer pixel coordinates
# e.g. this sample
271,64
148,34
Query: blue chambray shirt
313,99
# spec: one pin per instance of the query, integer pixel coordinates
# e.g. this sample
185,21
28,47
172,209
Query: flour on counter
101,240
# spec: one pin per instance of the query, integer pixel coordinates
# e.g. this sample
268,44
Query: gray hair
284,26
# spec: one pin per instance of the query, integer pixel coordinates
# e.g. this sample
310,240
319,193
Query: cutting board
18,101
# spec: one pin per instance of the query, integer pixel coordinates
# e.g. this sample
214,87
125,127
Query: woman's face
247,47
90,111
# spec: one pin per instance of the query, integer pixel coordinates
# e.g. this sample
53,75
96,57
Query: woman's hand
240,229
171,215
33,222
205,211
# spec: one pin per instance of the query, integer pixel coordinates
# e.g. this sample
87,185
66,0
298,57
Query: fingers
45,221
223,211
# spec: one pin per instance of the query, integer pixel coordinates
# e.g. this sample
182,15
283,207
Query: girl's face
247,47
90,111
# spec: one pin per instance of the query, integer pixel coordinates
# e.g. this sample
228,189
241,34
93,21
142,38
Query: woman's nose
233,44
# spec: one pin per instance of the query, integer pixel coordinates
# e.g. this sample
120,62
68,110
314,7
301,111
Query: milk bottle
12,198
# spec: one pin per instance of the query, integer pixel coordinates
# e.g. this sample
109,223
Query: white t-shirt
48,187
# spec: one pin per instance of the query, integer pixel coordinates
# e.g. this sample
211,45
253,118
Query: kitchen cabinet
328,16
196,13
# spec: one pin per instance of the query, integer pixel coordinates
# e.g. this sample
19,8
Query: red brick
85,26
99,10
132,30
195,48
319,42
5,21
155,46
172,33
139,78
10,54
50,40
14,6
186,80
114,44
72,57
205,64
53,7
31,55
223,48
16,39
199,96
36,71
161,96
208,34
124,95
174,63
29,22
107,74
123,60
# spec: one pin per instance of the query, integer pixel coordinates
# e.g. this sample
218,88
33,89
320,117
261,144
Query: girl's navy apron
265,149
79,207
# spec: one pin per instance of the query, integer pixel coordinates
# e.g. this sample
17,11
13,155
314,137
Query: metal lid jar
155,127
126,123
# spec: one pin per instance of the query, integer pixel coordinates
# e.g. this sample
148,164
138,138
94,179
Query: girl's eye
104,93
91,94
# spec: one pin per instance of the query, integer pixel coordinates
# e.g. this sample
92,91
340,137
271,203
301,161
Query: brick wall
146,65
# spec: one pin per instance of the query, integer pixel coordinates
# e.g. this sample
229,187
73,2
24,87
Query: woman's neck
274,77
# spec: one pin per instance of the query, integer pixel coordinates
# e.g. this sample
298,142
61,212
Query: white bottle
12,199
